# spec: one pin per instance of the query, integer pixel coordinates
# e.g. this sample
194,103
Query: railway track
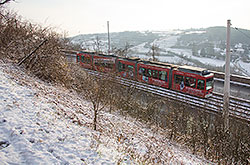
241,80
238,108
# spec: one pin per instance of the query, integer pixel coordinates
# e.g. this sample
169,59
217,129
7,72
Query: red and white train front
192,80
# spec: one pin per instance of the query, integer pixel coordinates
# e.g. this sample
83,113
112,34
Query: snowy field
167,42
45,124
245,67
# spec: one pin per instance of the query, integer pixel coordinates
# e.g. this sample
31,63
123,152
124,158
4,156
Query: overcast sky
91,16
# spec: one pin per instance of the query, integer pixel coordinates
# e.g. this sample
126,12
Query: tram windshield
209,83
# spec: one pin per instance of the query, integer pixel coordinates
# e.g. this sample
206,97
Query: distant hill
213,34
118,39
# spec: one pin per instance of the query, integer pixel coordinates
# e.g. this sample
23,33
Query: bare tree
154,51
97,45
123,51
99,91
2,2
95,93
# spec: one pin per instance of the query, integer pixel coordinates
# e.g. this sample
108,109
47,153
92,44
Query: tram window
200,84
146,72
78,58
178,79
163,76
209,83
155,74
97,64
105,65
149,72
190,82
87,60
121,67
109,65
130,67
142,71
82,58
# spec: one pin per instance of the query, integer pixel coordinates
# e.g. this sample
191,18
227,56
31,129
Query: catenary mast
226,97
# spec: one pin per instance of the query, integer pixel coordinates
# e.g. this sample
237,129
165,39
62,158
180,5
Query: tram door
178,82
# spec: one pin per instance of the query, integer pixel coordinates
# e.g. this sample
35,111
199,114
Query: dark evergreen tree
203,52
194,50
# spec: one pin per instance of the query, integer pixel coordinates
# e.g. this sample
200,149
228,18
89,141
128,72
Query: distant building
239,49
217,50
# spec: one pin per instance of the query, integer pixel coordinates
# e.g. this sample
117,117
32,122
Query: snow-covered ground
245,67
45,124
140,48
32,131
166,43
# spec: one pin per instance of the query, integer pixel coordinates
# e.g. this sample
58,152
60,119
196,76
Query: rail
235,78
239,108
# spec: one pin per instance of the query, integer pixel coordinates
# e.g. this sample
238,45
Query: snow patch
45,124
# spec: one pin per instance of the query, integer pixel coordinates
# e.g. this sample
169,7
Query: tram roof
159,64
132,58
87,51
163,64
192,68
98,54
196,70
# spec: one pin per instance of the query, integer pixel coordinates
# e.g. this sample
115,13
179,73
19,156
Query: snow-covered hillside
45,124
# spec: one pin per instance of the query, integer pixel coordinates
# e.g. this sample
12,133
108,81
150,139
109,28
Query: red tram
187,79
127,67
104,63
85,59
193,80
154,73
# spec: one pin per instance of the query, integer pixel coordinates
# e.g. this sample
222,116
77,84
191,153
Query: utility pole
108,38
226,97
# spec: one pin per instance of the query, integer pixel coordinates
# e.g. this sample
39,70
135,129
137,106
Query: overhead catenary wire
242,32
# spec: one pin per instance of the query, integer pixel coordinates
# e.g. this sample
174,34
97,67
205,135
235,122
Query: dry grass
19,37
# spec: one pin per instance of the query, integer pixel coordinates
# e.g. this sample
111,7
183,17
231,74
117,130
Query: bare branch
5,1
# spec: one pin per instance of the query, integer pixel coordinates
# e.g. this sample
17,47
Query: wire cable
242,32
